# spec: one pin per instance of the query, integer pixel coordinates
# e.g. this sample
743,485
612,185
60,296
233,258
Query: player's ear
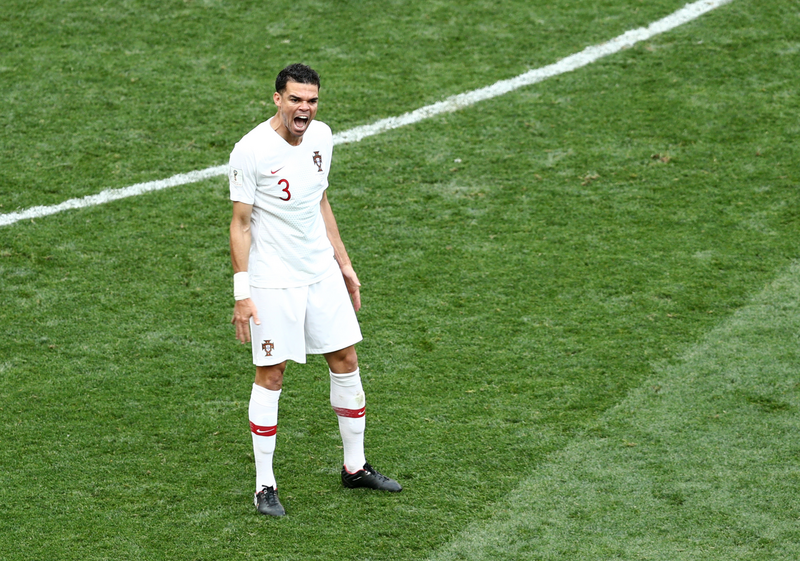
276,98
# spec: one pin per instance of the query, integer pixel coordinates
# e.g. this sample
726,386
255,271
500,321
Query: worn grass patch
699,462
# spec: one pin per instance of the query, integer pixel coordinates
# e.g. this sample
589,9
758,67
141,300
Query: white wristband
241,286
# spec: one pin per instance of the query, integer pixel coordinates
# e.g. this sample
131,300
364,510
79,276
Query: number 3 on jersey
285,189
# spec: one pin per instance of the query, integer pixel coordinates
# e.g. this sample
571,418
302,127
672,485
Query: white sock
348,401
263,413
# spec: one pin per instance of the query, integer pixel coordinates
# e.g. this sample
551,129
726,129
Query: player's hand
243,310
353,285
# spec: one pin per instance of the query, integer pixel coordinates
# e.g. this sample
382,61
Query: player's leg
349,404
278,338
332,330
263,415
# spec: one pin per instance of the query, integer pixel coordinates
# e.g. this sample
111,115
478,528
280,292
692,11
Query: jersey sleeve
242,176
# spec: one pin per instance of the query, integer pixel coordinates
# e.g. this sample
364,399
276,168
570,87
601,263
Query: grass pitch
531,266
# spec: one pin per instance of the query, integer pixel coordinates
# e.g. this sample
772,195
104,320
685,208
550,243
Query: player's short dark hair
299,73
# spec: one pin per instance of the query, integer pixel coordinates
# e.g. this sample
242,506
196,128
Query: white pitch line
454,103
113,194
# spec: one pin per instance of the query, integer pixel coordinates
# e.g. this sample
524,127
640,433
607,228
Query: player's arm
340,253
241,238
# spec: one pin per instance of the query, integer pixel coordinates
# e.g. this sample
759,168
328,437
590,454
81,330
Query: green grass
697,463
598,229
106,94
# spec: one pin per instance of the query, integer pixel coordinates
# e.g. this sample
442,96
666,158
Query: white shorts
314,319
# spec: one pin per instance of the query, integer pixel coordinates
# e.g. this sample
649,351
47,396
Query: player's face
297,107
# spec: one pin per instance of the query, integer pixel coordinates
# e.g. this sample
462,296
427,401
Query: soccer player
295,289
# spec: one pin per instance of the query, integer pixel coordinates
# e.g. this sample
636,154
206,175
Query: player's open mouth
301,122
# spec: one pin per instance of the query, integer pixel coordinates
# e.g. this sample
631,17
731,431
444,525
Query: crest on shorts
267,346
318,159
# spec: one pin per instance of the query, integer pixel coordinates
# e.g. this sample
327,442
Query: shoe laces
369,469
270,493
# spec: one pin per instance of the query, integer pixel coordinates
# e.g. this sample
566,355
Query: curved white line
454,103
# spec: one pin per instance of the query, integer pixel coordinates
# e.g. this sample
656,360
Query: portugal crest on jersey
267,346
318,159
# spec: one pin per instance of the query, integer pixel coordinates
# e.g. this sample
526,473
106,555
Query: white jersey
285,184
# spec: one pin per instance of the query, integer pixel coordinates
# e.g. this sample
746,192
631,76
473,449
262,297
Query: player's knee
270,377
344,361
350,364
